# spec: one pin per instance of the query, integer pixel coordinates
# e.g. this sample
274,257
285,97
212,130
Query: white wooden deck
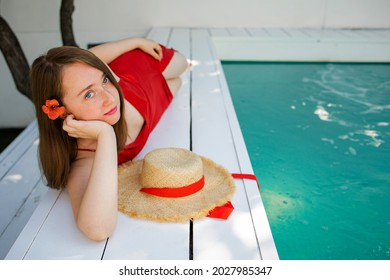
201,118
306,44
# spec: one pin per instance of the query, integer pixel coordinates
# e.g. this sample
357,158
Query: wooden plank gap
41,225
191,233
247,32
19,210
169,36
191,243
104,249
288,34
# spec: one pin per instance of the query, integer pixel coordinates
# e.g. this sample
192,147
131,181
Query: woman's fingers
157,52
82,129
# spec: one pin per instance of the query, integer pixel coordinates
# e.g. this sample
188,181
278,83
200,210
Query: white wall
36,23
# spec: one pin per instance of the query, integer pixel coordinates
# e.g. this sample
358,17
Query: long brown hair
57,150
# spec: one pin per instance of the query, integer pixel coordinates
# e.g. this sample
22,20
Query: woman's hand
84,129
151,47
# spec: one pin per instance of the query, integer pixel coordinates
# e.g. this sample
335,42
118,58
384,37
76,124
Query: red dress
144,86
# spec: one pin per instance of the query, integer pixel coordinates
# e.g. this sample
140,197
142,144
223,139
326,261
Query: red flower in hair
52,109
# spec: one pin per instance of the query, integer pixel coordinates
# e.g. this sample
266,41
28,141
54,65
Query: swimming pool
318,135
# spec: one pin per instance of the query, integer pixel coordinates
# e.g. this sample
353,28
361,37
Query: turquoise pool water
318,135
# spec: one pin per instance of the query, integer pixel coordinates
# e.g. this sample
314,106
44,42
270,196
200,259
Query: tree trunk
14,55
15,58
66,11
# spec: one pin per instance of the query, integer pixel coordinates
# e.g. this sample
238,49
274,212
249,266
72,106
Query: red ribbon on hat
176,192
223,212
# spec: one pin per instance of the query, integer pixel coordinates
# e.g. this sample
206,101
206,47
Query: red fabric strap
87,150
224,211
176,192
221,212
246,176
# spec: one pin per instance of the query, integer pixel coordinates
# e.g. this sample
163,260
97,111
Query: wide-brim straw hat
172,185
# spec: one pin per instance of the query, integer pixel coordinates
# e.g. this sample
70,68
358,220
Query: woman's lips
112,111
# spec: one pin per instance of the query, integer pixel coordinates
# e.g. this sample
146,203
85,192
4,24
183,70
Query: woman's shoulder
80,169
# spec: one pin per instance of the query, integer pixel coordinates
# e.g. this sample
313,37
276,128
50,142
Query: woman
96,109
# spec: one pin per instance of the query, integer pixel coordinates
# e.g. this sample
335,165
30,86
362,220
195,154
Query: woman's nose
107,96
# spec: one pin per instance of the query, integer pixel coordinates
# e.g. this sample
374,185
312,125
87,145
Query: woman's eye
89,95
105,80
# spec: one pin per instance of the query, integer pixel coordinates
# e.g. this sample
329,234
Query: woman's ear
64,115
67,113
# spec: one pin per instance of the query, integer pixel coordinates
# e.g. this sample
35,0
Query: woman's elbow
98,236
98,232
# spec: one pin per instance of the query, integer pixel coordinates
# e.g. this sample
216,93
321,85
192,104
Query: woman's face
89,94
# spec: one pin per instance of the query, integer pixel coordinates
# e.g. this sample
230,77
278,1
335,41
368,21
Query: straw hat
172,185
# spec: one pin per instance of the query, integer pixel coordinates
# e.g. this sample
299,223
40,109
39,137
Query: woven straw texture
172,167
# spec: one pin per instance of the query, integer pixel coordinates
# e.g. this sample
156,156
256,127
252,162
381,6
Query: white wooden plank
323,33
305,49
259,216
216,239
59,237
15,188
138,239
17,184
208,112
238,32
21,218
295,33
277,32
314,32
180,41
160,34
146,240
381,33
26,237
219,32
231,239
306,45
368,34
258,32
348,33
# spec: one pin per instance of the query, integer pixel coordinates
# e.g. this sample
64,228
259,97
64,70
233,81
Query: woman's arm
109,51
93,181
